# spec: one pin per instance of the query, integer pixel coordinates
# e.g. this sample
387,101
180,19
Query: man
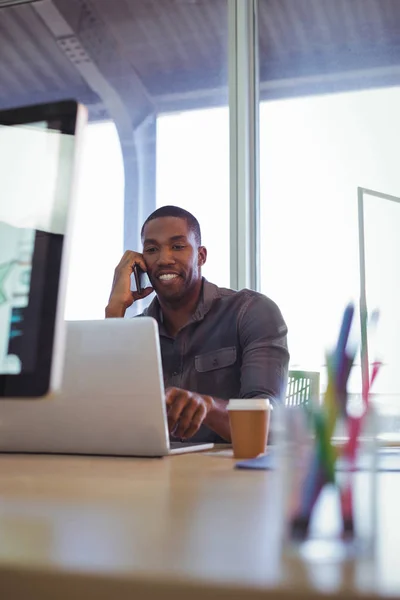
216,343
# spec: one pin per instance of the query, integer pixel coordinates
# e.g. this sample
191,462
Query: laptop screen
37,148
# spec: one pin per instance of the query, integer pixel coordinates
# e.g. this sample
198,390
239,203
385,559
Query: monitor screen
37,149
380,284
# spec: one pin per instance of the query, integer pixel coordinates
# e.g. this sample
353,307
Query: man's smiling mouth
167,276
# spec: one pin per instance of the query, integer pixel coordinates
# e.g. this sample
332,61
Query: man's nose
166,257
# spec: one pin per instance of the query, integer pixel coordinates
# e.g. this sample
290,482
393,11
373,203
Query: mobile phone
138,274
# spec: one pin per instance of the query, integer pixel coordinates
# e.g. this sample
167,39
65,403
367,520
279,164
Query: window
328,124
159,72
97,240
193,172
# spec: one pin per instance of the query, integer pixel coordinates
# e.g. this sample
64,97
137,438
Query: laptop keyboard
177,445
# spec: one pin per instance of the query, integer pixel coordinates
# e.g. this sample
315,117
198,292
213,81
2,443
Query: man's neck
177,315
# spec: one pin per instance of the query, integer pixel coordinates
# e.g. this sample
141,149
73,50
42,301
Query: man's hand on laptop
121,296
186,411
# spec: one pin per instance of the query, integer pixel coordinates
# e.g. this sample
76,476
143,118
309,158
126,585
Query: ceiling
162,55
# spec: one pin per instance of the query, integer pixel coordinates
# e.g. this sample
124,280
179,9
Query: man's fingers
186,418
195,423
171,394
175,411
185,411
131,258
146,292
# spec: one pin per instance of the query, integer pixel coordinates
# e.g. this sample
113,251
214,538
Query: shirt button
175,373
215,362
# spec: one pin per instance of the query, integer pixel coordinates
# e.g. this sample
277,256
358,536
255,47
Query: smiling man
216,343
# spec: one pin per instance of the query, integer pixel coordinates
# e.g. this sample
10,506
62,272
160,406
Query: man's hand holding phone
122,296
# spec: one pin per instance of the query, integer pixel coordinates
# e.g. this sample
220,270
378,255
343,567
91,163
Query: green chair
303,387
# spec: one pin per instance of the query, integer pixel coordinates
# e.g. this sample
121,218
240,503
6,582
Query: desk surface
110,527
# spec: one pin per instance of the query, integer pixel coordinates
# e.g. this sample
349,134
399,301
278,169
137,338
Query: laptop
38,159
111,402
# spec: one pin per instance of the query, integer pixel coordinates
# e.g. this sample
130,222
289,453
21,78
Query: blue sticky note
266,462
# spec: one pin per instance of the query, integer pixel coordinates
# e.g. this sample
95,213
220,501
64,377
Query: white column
244,143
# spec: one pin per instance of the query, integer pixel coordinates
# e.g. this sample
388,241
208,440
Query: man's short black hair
180,213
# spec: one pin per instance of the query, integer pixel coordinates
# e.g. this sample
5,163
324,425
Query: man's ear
202,255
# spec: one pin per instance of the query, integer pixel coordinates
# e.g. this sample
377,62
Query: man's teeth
168,276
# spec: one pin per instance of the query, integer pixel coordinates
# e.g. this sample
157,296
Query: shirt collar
209,293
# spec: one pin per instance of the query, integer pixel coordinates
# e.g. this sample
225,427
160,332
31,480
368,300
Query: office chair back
303,387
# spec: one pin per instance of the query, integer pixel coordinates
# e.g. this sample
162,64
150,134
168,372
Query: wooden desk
180,527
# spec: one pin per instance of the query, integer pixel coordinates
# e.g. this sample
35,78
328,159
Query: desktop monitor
379,251
38,160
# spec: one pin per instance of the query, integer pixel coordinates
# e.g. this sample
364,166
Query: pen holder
335,520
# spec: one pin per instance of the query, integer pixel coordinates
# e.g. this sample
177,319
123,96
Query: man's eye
178,247
150,250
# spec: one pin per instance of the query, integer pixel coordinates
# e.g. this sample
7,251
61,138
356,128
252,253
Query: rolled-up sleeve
265,356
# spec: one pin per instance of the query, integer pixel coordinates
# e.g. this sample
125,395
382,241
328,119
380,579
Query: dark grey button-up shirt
234,347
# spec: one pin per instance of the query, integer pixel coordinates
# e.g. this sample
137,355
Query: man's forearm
217,419
115,311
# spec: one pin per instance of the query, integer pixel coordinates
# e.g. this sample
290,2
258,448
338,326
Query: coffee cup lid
249,404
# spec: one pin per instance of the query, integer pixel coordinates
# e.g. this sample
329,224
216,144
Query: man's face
173,257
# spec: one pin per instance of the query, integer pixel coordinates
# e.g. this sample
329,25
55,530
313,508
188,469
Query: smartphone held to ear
139,280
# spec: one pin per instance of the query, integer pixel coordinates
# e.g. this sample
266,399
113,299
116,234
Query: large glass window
97,238
179,52
193,172
154,76
329,123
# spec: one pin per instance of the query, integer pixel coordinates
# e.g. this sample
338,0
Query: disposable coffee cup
249,421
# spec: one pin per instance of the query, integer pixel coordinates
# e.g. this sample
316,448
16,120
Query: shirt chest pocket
217,359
